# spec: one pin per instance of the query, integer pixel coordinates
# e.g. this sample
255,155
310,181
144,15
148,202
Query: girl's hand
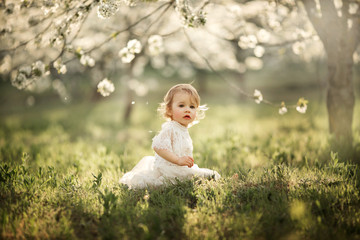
173,158
185,161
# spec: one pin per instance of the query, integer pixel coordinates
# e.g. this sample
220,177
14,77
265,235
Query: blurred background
54,55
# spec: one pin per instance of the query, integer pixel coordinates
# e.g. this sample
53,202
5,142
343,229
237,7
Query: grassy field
60,167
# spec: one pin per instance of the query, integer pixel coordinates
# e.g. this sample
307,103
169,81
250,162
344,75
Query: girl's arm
173,158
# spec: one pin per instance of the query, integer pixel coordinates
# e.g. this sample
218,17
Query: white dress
156,171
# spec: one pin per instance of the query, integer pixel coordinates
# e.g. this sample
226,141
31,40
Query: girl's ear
168,111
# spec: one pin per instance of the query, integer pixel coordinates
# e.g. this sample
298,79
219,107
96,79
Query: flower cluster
282,109
60,67
247,41
298,47
189,17
258,96
26,74
20,81
38,68
155,45
49,7
86,60
108,8
127,53
105,87
302,105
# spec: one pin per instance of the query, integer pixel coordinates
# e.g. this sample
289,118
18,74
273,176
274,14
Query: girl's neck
180,125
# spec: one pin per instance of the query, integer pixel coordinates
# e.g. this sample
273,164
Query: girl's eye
181,105
192,107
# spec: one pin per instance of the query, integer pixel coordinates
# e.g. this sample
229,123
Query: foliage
59,178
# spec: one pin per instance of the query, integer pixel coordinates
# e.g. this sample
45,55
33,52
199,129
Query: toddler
173,145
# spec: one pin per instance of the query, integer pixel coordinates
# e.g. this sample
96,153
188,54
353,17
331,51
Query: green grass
59,172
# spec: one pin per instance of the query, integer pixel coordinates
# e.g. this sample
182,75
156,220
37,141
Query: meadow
60,168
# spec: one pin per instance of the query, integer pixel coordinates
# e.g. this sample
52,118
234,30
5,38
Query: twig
219,74
26,42
129,27
159,17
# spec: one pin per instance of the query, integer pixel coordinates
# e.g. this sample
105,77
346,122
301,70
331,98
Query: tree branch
27,41
316,21
233,85
129,27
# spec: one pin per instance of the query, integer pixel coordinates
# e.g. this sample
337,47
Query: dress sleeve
164,139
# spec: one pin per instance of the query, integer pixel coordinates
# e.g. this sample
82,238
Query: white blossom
302,105
25,70
83,60
155,45
86,60
248,41
259,51
254,63
57,64
60,67
5,66
50,9
134,46
38,68
298,47
155,39
130,3
274,24
63,69
107,8
90,62
282,10
301,109
20,81
236,10
356,57
126,55
105,87
338,4
353,7
263,36
282,109
258,96
189,17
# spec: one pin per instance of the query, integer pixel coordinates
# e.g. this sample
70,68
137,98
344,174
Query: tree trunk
340,98
339,42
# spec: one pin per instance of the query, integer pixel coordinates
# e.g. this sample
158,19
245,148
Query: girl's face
183,108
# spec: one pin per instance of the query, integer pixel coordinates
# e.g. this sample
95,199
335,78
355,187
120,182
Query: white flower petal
105,87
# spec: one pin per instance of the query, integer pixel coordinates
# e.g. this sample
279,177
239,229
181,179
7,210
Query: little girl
173,145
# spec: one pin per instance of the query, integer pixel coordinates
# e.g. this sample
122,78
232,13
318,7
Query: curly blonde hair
165,106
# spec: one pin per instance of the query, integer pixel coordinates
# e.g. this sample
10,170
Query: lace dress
156,171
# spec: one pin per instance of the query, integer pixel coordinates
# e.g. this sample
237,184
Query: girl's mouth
187,117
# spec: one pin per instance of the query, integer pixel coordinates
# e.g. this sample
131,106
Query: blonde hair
165,106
